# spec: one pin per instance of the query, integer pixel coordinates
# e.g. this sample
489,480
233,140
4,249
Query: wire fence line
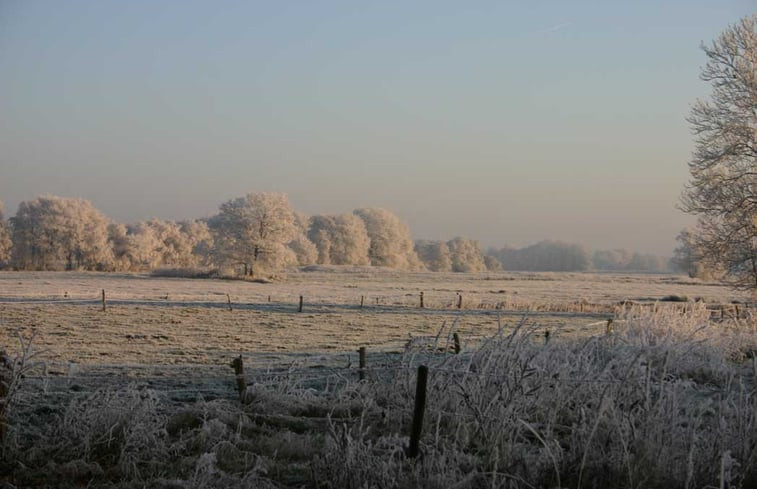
378,302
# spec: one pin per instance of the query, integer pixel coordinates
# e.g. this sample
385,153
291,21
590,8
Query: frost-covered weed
666,401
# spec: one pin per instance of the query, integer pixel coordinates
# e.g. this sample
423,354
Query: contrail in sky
554,28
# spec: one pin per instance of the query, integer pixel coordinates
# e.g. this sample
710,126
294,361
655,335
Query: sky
506,122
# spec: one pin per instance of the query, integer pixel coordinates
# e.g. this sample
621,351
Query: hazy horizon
508,124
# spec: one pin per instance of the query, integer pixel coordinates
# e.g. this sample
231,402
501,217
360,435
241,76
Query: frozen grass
667,400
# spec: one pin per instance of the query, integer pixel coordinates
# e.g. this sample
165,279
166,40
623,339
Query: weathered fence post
420,408
228,301
546,337
300,308
238,367
361,370
103,300
456,341
421,299
459,301
362,300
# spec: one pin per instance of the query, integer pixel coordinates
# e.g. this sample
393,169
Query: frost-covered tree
144,248
155,243
304,250
645,262
492,264
722,191
5,239
253,231
199,238
177,241
118,239
391,245
340,240
52,233
466,255
617,259
554,256
689,258
434,255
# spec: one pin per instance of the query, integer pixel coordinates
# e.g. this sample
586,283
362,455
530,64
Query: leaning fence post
456,341
300,308
228,301
238,367
361,371
459,301
103,300
420,407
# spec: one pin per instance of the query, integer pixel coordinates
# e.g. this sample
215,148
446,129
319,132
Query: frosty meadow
261,347
526,386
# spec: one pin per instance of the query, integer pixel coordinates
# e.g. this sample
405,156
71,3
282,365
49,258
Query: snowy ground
169,320
142,394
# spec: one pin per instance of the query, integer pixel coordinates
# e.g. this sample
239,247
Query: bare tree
722,190
253,230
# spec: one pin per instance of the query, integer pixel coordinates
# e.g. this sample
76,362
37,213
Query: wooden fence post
362,300
420,408
459,301
228,301
103,300
300,308
546,337
456,341
361,371
238,367
421,299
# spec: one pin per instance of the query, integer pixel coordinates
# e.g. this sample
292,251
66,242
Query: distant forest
261,233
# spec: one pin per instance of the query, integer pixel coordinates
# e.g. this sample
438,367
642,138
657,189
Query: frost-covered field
142,394
166,320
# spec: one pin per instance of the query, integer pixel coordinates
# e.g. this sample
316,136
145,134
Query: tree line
261,232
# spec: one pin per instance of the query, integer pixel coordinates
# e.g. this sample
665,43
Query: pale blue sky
508,122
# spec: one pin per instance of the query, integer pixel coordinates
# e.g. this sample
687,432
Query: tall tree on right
722,191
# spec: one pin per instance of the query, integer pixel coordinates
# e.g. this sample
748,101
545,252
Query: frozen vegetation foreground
665,399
